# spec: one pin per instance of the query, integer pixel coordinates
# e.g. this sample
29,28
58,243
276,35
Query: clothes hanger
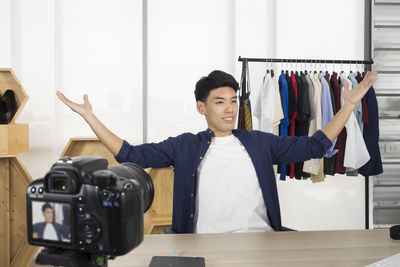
291,68
320,67
287,72
315,68
341,66
326,68
272,70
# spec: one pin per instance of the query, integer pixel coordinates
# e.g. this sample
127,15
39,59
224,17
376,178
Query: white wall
78,47
94,47
5,32
186,40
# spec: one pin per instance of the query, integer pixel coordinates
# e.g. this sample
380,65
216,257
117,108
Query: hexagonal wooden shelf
15,250
14,138
8,80
87,146
159,214
14,179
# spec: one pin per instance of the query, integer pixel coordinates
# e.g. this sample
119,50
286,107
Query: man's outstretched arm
108,138
351,98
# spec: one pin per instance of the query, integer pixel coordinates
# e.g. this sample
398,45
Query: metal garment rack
367,63
318,61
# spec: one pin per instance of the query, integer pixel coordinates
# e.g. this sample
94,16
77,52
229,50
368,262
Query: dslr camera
82,205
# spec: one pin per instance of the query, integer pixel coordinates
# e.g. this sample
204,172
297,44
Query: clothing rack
368,64
319,61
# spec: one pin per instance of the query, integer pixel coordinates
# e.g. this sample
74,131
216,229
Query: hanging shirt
326,110
330,163
283,89
356,153
341,139
229,197
358,110
365,116
315,166
310,96
300,123
371,137
305,104
278,112
265,105
293,117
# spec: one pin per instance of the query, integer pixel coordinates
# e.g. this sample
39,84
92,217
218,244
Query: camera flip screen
51,221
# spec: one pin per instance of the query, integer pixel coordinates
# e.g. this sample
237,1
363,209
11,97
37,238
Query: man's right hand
108,138
82,109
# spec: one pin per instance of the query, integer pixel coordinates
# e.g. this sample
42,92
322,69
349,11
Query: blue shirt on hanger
327,110
284,126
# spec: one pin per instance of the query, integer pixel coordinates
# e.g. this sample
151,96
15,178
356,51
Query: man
49,229
224,179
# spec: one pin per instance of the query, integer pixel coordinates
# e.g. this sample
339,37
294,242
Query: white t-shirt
49,232
229,197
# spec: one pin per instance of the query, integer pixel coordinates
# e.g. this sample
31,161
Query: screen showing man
50,221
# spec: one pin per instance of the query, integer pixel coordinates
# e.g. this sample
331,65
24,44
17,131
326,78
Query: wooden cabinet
14,179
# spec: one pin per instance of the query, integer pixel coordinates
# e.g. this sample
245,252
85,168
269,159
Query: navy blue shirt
186,151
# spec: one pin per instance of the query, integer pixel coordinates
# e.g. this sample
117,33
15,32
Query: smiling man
224,179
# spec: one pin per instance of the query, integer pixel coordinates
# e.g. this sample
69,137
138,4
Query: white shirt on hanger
278,113
356,153
265,105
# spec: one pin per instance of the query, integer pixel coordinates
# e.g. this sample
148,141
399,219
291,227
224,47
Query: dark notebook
172,261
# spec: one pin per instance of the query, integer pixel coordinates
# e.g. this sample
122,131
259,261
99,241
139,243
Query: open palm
81,109
356,94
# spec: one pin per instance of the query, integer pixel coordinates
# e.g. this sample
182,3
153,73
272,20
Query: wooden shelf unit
14,179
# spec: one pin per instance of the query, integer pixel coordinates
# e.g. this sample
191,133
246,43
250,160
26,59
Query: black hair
213,81
46,206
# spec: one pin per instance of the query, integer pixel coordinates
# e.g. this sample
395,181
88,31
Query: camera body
95,209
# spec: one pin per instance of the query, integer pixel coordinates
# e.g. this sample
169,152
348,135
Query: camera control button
105,193
128,186
33,189
40,190
81,210
81,200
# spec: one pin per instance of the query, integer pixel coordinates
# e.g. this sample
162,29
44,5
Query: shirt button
201,157
192,195
191,215
208,142
192,174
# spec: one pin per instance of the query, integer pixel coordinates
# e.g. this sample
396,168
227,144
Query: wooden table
306,248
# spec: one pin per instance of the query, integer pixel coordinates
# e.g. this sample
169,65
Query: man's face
220,110
48,215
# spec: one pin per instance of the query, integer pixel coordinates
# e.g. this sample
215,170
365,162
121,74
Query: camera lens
135,172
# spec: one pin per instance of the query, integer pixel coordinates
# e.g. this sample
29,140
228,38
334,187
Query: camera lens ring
133,171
